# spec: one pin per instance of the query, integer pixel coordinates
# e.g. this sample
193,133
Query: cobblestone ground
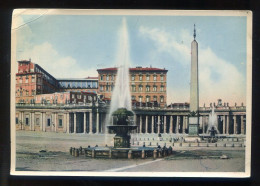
43,151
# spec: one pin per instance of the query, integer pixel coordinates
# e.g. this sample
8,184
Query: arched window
147,98
147,88
154,98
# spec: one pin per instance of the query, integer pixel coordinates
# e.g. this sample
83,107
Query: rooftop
139,68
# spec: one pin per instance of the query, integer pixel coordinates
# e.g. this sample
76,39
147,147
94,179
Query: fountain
212,126
120,119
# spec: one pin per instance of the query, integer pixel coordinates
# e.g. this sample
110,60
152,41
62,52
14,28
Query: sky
74,46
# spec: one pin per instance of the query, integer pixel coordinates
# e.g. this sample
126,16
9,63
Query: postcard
140,93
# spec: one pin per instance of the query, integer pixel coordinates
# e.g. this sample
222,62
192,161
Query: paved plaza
48,151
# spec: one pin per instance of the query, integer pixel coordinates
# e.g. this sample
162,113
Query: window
147,88
154,77
162,77
48,122
89,84
133,78
33,79
20,80
113,77
161,99
162,88
101,77
94,84
133,97
107,77
84,84
16,120
155,98
147,98
33,92
26,121
147,78
21,93
140,98
73,84
101,88
140,88
73,96
79,96
112,87
27,92
133,88
60,122
154,88
37,121
140,77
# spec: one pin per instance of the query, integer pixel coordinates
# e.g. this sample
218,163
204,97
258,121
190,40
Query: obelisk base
193,130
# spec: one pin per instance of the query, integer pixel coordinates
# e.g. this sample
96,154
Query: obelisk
194,88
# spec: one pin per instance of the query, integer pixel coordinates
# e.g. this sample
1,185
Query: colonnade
93,122
162,124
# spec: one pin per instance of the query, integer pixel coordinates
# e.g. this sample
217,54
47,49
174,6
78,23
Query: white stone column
146,124
224,124
164,125
227,132
177,125
85,123
41,121
97,123
44,121
75,123
203,124
90,123
235,124
68,122
55,121
33,121
30,120
183,125
65,122
152,124
159,126
242,124
171,124
141,124
186,121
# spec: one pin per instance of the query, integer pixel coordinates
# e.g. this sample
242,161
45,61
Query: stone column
227,131
33,121
159,121
75,123
224,124
141,124
41,121
146,124
186,127
68,122
65,122
164,124
44,121
30,122
85,123
55,122
90,123
152,124
171,124
97,123
242,124
177,125
235,124
183,125
203,124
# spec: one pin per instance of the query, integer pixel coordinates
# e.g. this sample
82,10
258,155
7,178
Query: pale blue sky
75,45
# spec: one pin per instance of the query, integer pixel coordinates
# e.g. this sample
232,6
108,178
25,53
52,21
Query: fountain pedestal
122,142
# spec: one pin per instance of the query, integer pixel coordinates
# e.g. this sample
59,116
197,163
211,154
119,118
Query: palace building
147,85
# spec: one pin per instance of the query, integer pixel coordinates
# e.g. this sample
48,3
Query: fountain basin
122,153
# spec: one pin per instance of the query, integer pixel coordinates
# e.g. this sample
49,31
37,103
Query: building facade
147,85
90,118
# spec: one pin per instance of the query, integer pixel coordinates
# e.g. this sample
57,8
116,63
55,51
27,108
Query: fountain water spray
213,121
121,97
